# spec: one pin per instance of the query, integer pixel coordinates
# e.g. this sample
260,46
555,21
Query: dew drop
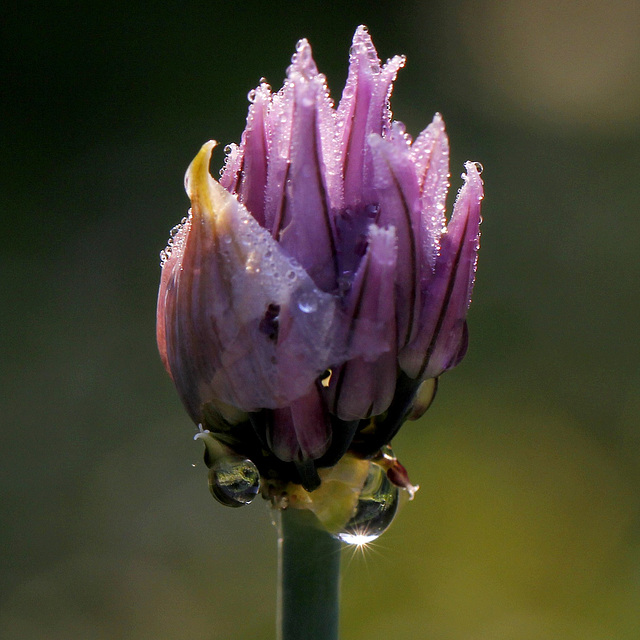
234,481
307,303
372,211
251,96
376,509
479,167
348,92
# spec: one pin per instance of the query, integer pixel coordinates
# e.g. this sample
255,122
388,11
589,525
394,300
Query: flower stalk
308,578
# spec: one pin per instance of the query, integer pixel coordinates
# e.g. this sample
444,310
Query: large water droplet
375,510
234,481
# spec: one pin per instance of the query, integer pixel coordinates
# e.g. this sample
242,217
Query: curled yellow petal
209,199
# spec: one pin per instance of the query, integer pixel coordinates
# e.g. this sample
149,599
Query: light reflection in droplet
357,539
375,510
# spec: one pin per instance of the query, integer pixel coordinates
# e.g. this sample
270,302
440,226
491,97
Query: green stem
308,578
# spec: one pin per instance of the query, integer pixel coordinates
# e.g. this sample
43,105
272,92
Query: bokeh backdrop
527,523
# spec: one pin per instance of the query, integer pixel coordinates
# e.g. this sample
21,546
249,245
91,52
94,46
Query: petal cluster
315,290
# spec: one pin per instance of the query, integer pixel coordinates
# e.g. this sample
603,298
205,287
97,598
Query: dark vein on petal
237,186
445,303
412,246
323,198
354,317
275,233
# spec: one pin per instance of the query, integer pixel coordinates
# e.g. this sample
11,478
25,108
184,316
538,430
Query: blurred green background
527,523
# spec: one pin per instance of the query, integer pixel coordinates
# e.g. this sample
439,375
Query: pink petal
441,339
364,385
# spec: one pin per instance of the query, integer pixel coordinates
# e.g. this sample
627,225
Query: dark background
527,523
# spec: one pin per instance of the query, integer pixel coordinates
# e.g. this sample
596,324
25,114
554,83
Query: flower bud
312,297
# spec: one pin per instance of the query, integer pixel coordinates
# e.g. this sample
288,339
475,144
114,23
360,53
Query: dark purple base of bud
364,438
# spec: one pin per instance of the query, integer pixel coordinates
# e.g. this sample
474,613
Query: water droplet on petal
234,481
375,510
307,303
372,211
479,167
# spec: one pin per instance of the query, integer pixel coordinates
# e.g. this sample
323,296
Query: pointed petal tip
302,61
393,65
472,177
361,34
363,50
437,124
474,187
209,199
468,201
261,93
198,170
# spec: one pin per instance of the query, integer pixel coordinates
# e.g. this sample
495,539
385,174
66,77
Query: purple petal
231,172
363,110
430,154
298,204
442,338
301,430
398,197
364,385
239,321
245,171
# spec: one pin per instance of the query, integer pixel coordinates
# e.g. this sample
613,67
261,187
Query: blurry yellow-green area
527,523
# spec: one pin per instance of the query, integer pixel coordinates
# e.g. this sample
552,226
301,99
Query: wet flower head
314,294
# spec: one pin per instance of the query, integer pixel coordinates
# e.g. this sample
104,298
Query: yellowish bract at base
334,501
